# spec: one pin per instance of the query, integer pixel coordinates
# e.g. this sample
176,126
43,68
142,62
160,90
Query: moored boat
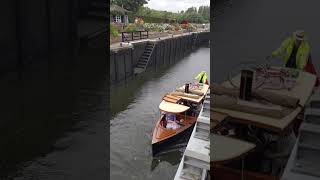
179,112
253,139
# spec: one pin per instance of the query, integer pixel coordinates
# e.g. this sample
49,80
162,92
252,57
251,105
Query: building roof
117,9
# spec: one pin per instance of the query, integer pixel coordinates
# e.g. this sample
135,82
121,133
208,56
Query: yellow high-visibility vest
202,77
285,50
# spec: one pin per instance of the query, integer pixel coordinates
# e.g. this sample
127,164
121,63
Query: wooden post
155,57
180,48
184,47
163,52
132,69
115,67
175,50
132,36
160,51
160,54
125,67
179,43
170,50
190,42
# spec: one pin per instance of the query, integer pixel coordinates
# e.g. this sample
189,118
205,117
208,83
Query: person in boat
295,52
202,77
171,121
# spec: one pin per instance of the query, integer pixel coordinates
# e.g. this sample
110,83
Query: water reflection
172,157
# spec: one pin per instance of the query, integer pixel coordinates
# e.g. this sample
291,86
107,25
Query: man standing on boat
295,52
202,77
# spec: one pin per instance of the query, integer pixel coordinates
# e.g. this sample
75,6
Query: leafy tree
131,5
195,18
204,11
191,10
192,14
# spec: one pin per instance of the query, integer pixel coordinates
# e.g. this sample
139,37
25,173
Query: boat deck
302,91
228,150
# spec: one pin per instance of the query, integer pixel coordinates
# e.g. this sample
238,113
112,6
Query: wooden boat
163,136
238,155
186,108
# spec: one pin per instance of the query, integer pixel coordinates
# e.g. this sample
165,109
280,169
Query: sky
175,5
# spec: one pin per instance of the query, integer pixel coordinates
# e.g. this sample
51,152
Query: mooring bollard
246,84
186,88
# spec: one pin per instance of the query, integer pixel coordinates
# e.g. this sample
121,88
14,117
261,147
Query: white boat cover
226,148
172,108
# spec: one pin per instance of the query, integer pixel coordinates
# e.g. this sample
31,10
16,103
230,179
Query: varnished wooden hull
171,143
163,138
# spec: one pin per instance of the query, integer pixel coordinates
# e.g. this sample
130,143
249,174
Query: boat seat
172,99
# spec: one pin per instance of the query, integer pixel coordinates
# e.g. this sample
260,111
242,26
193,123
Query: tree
202,15
191,10
204,11
131,5
194,18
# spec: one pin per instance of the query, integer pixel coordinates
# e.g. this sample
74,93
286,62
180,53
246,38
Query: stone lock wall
166,52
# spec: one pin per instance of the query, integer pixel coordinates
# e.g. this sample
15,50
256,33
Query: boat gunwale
176,132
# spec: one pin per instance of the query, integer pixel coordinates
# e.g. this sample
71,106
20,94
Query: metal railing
131,36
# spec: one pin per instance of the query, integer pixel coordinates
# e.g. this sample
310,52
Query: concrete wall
37,90
25,34
166,52
34,30
9,42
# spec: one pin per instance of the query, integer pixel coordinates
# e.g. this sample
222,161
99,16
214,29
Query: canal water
134,109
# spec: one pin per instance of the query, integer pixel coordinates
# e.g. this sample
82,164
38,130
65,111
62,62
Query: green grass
113,31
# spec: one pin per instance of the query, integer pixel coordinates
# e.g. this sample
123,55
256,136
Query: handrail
133,37
150,56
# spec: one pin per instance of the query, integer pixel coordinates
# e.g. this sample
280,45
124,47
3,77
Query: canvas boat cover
172,108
